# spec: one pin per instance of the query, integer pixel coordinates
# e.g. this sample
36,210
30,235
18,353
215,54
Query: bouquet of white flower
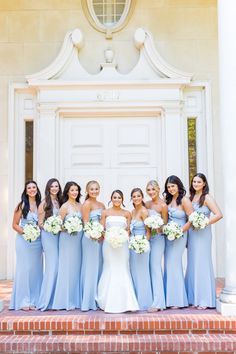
53,224
93,230
116,236
73,224
31,232
198,220
139,244
154,222
172,231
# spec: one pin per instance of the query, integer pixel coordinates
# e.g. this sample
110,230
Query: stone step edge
122,343
132,323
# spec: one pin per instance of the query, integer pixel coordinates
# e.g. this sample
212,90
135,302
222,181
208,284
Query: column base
1,305
225,309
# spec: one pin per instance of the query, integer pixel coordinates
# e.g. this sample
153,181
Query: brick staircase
167,332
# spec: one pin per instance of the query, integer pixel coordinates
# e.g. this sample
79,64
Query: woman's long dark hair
48,207
181,190
120,194
24,204
139,190
205,189
65,196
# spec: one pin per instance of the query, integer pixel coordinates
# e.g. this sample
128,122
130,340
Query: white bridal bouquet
198,220
73,224
31,232
116,236
53,224
139,244
172,231
154,222
93,230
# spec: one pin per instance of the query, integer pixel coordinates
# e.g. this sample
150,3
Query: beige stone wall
185,33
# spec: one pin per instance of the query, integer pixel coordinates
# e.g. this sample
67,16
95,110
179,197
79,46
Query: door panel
120,153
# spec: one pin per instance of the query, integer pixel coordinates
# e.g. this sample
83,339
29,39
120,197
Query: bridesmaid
200,279
91,250
179,208
67,292
49,206
29,266
139,263
156,206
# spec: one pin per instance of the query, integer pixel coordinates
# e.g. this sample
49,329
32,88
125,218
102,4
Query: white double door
120,153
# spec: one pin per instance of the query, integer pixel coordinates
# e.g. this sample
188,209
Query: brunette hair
24,204
181,190
120,194
87,187
134,190
205,189
66,190
48,207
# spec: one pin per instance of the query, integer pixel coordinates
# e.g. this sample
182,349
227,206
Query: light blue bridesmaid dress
67,292
91,267
29,269
157,243
139,268
173,274
50,244
200,279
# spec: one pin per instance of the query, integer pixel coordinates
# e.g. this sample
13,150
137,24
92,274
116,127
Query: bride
115,288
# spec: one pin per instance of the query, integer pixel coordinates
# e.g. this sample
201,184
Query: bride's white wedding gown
115,288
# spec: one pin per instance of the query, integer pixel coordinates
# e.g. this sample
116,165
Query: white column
175,147
45,157
227,83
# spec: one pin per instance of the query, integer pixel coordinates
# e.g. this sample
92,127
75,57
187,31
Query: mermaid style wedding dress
115,288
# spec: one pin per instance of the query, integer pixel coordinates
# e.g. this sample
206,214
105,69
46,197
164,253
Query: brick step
185,343
100,323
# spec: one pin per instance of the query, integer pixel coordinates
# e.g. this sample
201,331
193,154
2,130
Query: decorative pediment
149,67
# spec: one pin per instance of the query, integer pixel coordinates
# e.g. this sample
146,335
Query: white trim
16,171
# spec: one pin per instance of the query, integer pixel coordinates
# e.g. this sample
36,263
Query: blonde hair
88,186
154,184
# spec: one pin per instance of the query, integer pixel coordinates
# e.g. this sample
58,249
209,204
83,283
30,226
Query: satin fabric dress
91,267
140,271
173,271
200,279
67,293
157,243
50,243
115,288
29,269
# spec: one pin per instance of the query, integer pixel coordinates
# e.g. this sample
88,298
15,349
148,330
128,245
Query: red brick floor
182,331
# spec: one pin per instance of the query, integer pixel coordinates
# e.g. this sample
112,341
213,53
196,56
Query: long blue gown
67,292
29,269
139,267
173,274
157,243
91,267
200,279
50,245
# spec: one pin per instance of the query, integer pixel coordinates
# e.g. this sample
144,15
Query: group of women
79,273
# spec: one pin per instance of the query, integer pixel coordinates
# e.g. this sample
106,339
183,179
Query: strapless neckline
116,216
